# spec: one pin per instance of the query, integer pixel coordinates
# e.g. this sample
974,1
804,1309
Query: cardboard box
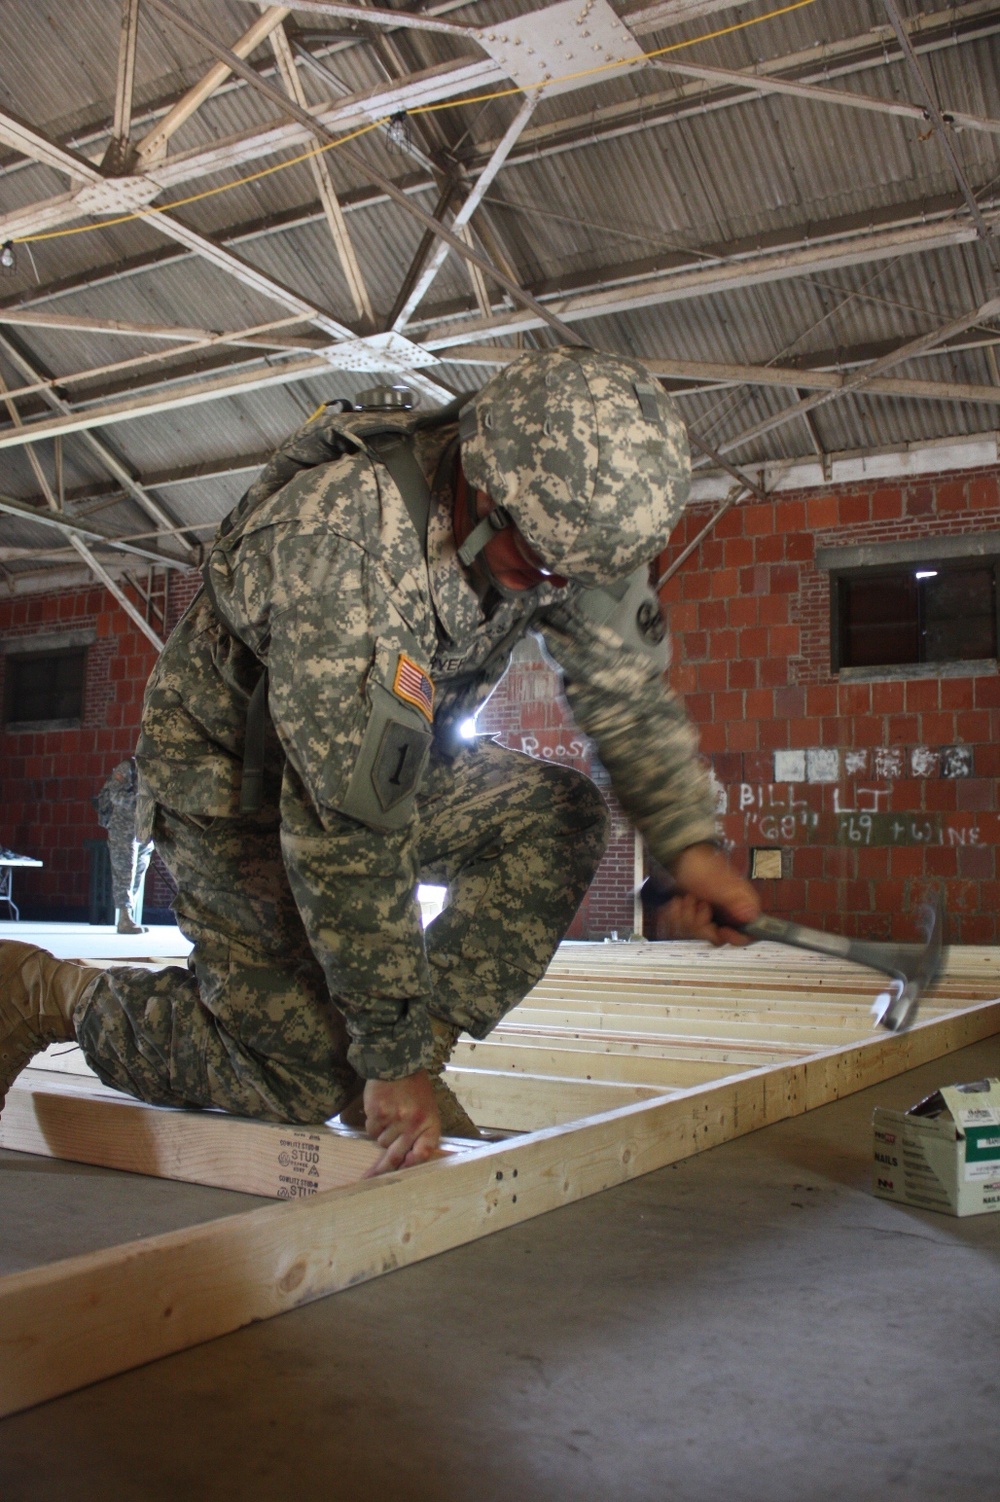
944,1152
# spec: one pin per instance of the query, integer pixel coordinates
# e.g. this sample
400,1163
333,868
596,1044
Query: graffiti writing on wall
825,764
781,814
575,751
902,829
776,812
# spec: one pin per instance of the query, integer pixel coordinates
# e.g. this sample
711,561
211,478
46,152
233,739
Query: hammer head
896,1008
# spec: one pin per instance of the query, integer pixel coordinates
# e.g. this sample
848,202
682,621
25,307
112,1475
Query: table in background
8,860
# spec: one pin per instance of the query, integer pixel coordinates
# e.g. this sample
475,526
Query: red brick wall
913,765
912,800
47,778
529,713
912,804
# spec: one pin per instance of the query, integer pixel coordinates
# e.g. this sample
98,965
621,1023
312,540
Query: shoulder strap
395,451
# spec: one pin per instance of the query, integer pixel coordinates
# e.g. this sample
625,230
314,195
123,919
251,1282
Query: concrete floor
749,1325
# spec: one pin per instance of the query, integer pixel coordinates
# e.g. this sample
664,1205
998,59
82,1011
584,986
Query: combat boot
126,922
38,996
455,1120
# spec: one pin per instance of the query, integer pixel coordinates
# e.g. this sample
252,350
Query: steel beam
77,543
119,152
468,208
106,456
860,380
324,186
323,133
812,93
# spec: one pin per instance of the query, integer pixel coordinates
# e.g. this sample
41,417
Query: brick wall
47,778
528,713
874,791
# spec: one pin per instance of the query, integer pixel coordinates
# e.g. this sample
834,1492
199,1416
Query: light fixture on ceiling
397,132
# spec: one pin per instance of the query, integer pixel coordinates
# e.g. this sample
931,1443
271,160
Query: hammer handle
883,957
780,931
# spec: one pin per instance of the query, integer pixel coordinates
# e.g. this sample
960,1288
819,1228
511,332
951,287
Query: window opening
41,687
909,615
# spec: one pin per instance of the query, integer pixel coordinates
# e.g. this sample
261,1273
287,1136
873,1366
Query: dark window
44,686
914,613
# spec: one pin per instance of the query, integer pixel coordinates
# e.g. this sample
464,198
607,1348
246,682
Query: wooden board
63,1115
594,1072
88,1317
58,1114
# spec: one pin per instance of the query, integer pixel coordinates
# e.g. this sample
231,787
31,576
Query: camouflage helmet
585,454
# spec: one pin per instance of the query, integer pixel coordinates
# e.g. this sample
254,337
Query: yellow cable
177,203
420,109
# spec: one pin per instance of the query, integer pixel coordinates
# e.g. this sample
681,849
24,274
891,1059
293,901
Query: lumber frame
77,1119
89,1317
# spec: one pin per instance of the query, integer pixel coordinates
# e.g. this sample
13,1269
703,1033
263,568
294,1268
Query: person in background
129,856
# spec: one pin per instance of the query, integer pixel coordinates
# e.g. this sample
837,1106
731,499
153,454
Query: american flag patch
412,684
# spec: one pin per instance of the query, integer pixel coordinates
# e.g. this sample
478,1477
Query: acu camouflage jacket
320,575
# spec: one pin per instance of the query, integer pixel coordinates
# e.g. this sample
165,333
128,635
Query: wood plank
638,1067
500,1100
509,1101
58,1115
89,1317
625,1022
656,1071
714,1011
67,1116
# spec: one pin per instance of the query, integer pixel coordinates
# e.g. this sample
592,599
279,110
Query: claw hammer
914,968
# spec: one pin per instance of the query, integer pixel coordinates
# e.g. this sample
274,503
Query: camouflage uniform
116,813
310,971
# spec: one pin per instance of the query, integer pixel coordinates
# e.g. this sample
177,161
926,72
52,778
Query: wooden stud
58,1115
89,1317
116,158
153,146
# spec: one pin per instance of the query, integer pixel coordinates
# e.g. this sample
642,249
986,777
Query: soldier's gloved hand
707,881
402,1117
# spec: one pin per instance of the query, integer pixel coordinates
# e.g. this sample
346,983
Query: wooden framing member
88,1317
74,1117
65,1112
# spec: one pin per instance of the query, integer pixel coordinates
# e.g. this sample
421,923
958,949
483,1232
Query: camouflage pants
250,1027
129,857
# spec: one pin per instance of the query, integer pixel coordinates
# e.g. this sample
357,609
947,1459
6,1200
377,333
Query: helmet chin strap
495,521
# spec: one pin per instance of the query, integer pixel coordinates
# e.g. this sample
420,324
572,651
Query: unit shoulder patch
414,685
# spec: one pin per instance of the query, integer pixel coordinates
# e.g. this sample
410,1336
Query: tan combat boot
455,1120
38,995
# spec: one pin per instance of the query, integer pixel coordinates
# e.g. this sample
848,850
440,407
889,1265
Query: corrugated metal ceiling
734,174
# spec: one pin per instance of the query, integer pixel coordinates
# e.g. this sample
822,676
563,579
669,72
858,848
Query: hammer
914,967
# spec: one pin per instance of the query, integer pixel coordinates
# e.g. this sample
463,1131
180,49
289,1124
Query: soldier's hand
708,882
402,1117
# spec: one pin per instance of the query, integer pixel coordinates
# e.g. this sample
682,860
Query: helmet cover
588,455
